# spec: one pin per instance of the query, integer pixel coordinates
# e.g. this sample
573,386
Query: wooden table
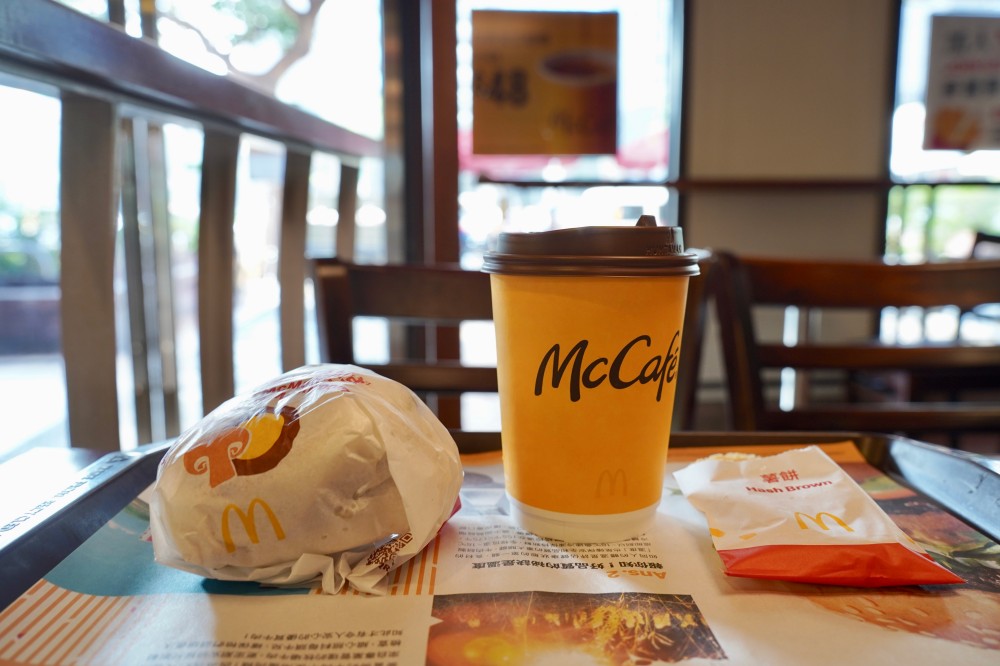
463,595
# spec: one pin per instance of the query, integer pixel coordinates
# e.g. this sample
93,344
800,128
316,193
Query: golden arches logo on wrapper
248,519
798,516
819,520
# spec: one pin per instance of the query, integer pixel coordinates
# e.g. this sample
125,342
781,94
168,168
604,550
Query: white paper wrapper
798,516
329,472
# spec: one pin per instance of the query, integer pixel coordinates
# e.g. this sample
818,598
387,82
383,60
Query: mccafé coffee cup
588,326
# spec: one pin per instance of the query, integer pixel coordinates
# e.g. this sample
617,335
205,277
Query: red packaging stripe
869,565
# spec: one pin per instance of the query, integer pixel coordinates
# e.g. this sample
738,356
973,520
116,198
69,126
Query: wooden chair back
985,246
701,289
421,299
446,295
747,285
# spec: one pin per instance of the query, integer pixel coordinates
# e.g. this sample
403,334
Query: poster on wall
544,83
963,84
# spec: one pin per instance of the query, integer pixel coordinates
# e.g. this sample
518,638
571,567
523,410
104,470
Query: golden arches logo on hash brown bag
798,516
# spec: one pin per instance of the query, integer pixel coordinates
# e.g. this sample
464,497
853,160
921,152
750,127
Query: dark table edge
38,539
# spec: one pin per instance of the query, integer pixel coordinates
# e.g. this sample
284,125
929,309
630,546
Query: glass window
255,236
943,197
489,199
312,54
939,215
342,61
97,9
31,367
183,152
644,108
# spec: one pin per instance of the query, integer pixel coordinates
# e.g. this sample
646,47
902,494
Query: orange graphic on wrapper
252,447
335,380
258,444
271,437
215,457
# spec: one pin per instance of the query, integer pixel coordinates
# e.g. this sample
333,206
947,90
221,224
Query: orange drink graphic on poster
588,345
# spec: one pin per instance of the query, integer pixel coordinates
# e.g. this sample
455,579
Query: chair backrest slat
872,284
422,298
746,285
872,357
442,293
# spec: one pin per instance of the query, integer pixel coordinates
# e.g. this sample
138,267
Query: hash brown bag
798,516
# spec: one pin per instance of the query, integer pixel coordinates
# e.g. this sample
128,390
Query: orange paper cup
588,345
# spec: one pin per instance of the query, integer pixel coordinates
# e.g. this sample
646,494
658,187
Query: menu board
544,83
963,84
486,592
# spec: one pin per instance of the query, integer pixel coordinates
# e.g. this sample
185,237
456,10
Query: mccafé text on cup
588,324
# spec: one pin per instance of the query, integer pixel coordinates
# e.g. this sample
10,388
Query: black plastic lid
644,249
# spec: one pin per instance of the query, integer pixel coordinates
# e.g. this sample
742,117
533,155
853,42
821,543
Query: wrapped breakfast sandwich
330,473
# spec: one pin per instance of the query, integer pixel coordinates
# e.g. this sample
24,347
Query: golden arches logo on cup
611,483
248,519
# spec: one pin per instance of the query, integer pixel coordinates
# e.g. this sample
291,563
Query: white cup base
577,528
